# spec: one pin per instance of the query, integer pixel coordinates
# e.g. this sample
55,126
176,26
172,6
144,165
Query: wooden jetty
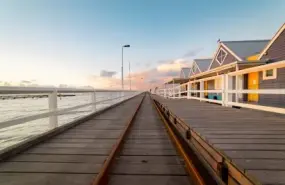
126,144
152,140
248,144
35,96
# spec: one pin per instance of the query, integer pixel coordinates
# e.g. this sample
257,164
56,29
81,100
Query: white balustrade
54,111
228,94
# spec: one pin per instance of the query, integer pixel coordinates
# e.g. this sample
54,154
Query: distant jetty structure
35,96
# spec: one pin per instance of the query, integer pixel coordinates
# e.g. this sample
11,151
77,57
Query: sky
79,42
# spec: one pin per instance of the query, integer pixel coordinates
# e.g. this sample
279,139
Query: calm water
11,109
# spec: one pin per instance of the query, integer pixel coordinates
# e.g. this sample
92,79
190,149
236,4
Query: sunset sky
78,42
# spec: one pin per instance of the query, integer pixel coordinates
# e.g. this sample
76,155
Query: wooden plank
69,151
44,179
148,169
59,158
242,136
150,160
39,167
269,177
251,147
148,179
252,139
261,164
247,141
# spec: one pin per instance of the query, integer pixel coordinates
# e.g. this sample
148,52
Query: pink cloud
143,80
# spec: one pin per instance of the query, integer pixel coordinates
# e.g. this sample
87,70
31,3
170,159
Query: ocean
17,108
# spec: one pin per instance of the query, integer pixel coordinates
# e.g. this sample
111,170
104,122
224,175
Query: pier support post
52,103
93,100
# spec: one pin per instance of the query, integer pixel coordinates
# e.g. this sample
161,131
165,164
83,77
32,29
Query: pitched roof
246,48
185,72
272,41
203,64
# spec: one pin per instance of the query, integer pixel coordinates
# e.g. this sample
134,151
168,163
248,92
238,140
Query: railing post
224,93
93,100
179,92
164,92
188,90
229,87
52,104
228,83
238,86
202,89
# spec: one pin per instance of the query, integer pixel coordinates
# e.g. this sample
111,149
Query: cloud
143,80
147,64
26,82
193,52
174,65
164,61
105,73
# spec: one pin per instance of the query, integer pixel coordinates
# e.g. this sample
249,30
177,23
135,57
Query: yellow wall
253,80
252,58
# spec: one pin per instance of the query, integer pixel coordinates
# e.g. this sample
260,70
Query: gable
203,64
276,50
217,62
195,68
185,72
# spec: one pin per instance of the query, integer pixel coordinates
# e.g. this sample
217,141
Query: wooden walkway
78,155
73,157
253,140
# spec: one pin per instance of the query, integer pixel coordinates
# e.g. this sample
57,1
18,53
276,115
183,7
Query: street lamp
130,76
124,46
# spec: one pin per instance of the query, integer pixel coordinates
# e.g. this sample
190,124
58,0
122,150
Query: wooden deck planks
254,140
73,157
148,154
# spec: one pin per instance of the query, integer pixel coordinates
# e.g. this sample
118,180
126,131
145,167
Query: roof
203,64
178,81
246,48
185,72
272,41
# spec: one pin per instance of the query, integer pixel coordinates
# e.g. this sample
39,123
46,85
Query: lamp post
130,76
124,46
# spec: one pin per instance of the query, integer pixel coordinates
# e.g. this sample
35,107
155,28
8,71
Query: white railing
225,91
53,111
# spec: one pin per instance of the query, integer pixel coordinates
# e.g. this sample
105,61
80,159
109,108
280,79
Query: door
253,85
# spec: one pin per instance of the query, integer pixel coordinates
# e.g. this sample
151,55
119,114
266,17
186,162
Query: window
221,56
269,74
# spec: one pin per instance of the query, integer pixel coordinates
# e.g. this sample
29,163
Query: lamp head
126,46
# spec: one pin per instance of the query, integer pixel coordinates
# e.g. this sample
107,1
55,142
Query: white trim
231,52
226,54
258,91
197,67
280,64
182,74
274,75
217,51
220,68
39,90
214,56
271,41
205,99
